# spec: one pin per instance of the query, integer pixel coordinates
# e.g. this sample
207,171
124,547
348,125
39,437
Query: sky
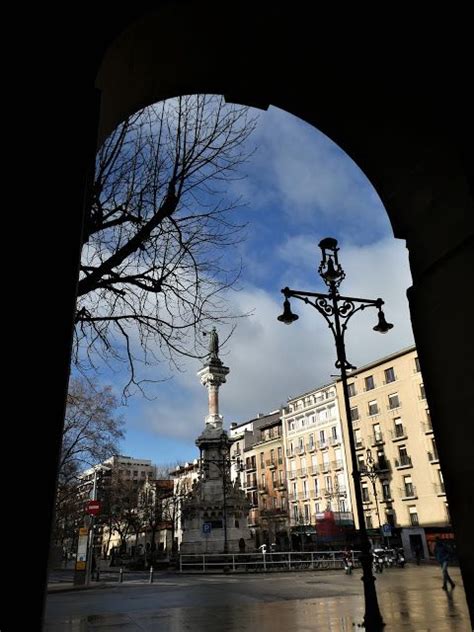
300,187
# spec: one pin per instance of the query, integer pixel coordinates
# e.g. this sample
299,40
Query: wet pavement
411,600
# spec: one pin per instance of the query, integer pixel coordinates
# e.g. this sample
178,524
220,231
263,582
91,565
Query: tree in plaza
152,272
91,433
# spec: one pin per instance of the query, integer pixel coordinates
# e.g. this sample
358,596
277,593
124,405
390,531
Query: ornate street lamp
337,311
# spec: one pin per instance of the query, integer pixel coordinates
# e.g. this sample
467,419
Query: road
411,600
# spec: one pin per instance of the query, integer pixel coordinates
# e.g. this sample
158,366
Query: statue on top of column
213,346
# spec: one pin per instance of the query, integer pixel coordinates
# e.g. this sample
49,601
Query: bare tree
91,429
153,269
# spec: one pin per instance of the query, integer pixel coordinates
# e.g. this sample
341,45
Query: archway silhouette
405,136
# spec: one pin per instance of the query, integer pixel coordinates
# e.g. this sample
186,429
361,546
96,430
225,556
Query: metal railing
264,562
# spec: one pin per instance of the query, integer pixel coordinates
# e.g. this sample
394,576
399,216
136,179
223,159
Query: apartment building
394,437
258,443
316,464
184,477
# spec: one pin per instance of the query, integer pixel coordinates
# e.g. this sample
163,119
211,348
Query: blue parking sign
206,527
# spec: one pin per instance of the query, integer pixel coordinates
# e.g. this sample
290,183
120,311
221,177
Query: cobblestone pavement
411,600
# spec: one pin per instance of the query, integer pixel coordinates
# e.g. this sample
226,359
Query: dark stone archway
390,105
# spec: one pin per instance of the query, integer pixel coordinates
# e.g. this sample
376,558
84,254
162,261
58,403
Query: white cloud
270,362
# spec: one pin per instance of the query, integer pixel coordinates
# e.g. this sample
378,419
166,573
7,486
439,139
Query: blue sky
300,187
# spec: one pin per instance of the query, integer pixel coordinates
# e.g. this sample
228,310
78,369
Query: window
325,461
334,433
354,413
365,493
262,459
351,389
377,432
399,430
291,425
361,462
306,514
386,490
272,456
369,383
263,480
317,507
280,455
274,477
389,375
295,490
368,521
404,459
422,391
393,401
417,365
358,438
322,438
301,444
328,483
311,442
314,463
408,484
305,489
316,487
373,408
295,513
413,516
381,460
281,476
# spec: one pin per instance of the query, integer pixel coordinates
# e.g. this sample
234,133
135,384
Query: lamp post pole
337,310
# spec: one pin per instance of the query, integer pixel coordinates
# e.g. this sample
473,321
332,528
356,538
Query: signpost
206,528
93,507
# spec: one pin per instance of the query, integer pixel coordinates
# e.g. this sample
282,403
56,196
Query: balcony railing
334,441
360,444
300,450
337,464
302,471
323,444
262,489
377,438
292,474
398,433
271,464
313,470
408,492
403,461
311,447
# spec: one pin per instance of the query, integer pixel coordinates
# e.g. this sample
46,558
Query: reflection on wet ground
411,600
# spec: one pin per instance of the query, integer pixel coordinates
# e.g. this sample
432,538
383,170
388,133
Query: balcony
403,461
439,489
311,447
302,472
271,464
408,492
323,444
290,453
427,427
251,485
334,441
300,450
313,470
262,489
293,498
291,474
280,486
399,433
359,445
250,467
337,464
377,438
326,467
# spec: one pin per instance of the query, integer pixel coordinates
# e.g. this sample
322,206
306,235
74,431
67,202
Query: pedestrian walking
442,555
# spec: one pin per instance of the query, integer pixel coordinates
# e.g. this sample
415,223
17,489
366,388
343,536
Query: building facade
316,465
394,437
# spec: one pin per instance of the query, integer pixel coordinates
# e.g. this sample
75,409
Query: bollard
121,576
97,574
151,574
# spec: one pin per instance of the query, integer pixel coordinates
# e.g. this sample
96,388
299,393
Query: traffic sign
93,507
206,527
387,530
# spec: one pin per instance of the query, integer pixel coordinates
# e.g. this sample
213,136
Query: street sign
206,527
387,530
93,507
